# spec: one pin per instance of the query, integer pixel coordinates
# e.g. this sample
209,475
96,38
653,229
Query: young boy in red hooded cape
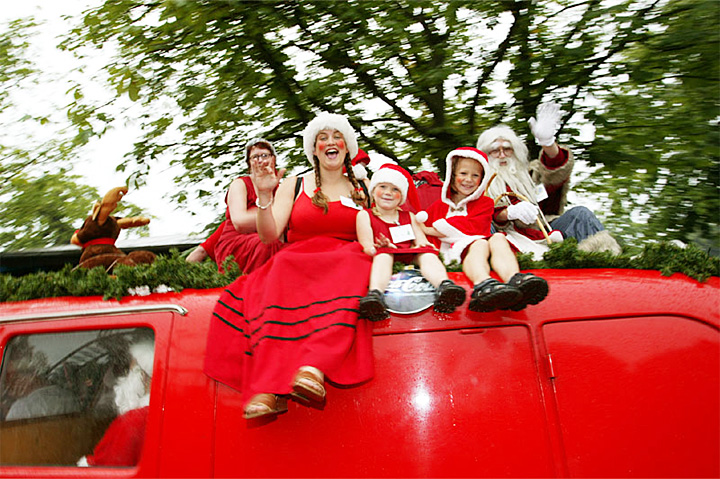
460,225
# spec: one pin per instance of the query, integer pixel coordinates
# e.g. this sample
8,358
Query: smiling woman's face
330,147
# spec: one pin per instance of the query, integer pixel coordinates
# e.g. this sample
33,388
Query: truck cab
615,374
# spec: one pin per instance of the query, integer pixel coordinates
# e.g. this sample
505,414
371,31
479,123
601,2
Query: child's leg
372,306
488,293
381,271
475,265
533,289
449,294
431,268
502,258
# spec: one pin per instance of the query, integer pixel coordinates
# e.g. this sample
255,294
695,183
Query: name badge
540,193
345,201
402,233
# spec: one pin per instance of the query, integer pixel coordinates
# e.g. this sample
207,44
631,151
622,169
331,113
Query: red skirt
249,252
299,309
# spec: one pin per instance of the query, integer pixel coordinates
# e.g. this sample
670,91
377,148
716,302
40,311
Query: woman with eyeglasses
239,237
290,326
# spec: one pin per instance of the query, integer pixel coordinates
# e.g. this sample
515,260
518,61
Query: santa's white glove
523,211
546,124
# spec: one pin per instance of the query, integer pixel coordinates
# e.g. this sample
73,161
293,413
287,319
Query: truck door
638,396
59,392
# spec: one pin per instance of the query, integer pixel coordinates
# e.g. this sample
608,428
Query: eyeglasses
507,151
262,156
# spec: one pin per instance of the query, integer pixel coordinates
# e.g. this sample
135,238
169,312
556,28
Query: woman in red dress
238,237
292,323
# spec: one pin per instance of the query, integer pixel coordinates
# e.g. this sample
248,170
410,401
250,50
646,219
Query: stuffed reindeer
100,230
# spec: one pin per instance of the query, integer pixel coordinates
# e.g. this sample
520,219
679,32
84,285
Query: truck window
75,398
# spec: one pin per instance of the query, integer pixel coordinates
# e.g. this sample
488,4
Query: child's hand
382,241
424,244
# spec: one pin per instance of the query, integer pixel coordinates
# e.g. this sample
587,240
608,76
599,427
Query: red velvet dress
404,253
300,308
250,253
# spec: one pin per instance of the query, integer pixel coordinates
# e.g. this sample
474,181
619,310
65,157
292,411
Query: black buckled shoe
373,307
533,288
491,295
449,297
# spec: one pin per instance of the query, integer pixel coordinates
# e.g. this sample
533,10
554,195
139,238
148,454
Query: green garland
176,273
664,257
171,271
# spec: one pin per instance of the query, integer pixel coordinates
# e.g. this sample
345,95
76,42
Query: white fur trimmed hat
329,121
465,152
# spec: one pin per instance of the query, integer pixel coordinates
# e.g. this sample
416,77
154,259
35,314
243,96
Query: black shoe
373,307
449,297
491,295
533,289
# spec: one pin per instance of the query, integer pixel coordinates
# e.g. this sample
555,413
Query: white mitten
523,211
556,236
547,123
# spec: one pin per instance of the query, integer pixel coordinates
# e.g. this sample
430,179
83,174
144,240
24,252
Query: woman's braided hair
321,201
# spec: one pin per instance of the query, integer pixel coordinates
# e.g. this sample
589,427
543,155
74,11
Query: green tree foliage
13,42
41,204
418,78
15,69
658,135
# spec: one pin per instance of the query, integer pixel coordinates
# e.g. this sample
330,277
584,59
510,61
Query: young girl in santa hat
389,234
460,222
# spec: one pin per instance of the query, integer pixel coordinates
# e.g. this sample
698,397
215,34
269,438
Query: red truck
615,374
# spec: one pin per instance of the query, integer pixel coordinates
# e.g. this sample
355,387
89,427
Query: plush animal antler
102,210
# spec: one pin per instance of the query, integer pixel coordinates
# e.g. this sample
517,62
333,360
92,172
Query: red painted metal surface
615,374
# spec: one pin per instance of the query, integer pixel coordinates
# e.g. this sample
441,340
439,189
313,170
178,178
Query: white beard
130,391
515,175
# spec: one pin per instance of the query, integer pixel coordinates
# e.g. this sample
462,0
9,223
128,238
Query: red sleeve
557,162
122,443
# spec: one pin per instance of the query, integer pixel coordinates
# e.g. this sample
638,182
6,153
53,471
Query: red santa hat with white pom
359,164
397,176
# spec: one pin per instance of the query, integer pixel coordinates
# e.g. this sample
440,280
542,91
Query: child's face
387,196
467,176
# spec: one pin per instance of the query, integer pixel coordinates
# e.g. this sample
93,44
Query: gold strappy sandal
307,386
265,405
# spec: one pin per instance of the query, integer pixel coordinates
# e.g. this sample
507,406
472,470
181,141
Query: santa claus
122,442
532,196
